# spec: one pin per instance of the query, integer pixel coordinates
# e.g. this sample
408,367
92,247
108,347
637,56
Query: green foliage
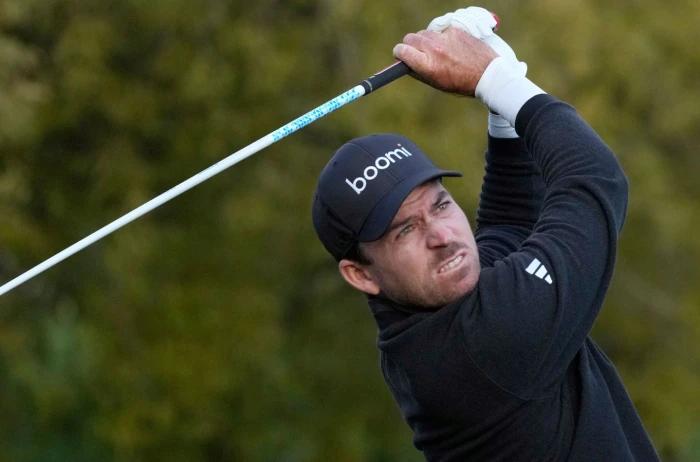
216,328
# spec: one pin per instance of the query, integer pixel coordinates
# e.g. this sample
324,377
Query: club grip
388,75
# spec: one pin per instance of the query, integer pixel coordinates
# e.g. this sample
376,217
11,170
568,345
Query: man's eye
444,205
405,230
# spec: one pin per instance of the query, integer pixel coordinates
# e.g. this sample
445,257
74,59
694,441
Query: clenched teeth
451,264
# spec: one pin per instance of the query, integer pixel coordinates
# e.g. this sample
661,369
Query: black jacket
509,373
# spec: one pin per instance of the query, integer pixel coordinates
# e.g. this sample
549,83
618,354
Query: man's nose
438,235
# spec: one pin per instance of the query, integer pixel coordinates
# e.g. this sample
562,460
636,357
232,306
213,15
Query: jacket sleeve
537,306
510,200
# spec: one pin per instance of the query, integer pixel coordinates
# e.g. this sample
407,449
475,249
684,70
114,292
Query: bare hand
452,61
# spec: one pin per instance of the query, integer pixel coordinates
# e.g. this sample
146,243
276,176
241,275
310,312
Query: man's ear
358,276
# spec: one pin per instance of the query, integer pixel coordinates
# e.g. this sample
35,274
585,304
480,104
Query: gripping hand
503,86
479,23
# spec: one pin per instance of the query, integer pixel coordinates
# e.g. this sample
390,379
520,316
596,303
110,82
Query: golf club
365,87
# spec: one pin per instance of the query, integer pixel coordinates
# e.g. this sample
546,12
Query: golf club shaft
368,85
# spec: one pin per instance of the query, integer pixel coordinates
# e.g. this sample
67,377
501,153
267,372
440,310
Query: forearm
570,155
543,299
560,142
513,189
511,196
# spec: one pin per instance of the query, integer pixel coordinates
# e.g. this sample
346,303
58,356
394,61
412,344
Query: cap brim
383,213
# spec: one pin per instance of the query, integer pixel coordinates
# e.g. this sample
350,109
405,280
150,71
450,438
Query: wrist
504,89
500,128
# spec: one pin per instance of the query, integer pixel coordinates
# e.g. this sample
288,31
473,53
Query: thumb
415,59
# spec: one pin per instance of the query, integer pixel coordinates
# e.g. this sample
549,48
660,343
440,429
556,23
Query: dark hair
358,255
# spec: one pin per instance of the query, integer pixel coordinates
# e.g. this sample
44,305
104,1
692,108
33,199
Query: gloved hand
480,23
502,87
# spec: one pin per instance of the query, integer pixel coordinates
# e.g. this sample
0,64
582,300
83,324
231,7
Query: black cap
362,187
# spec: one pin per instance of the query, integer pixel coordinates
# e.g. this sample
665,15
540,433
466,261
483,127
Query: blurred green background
216,328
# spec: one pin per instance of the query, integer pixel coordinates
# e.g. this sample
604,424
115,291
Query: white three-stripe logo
539,270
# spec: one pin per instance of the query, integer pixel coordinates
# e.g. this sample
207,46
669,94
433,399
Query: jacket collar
387,312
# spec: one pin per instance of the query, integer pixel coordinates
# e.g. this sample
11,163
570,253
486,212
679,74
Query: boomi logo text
380,163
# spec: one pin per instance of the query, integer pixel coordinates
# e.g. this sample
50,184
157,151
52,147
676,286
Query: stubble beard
419,295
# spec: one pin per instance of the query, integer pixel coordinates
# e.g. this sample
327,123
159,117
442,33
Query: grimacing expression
428,256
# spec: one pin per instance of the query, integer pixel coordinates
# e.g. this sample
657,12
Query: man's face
428,257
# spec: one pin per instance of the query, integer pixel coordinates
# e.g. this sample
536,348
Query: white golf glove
478,22
503,87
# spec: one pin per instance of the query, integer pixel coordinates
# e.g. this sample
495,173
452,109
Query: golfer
484,336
